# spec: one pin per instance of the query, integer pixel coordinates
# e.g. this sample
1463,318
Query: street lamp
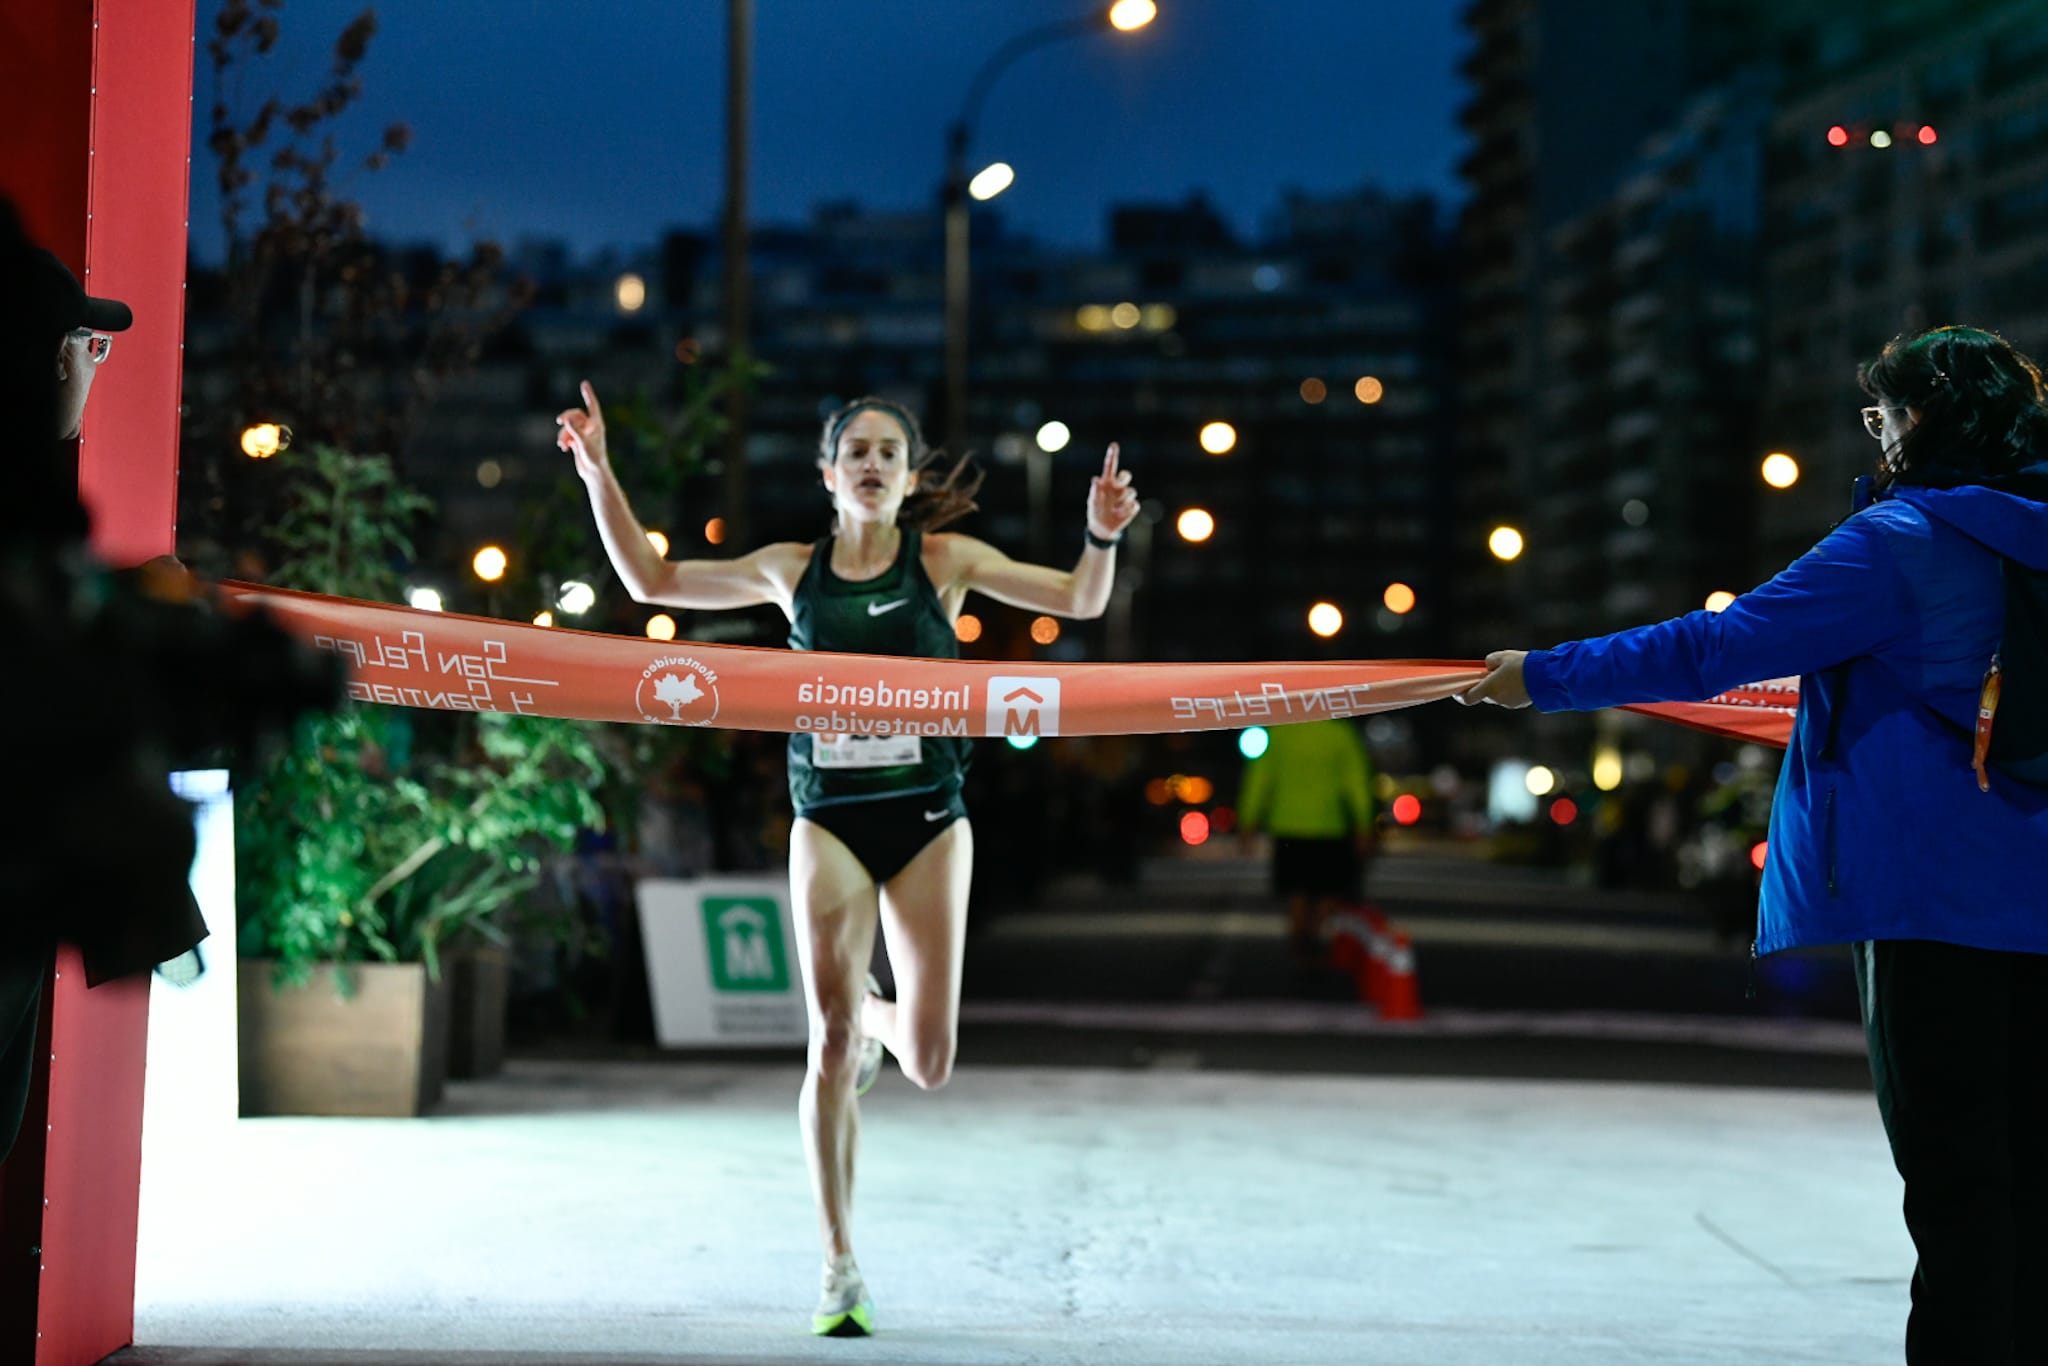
991,180
1125,16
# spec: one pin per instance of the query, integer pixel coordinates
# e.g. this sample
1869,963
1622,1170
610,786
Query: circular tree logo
678,691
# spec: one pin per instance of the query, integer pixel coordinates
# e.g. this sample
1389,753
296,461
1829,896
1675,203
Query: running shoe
844,1309
870,1051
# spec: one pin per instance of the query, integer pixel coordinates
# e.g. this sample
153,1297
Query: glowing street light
1780,470
425,599
1218,438
661,626
1129,15
630,292
1540,781
967,628
265,439
1325,619
1044,630
1314,390
1607,768
1879,138
1123,16
1399,599
658,541
1195,525
1505,543
490,563
543,618
577,597
1369,390
1054,436
714,531
992,179
1253,741
1720,601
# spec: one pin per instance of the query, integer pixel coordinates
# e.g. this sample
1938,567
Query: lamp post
1124,16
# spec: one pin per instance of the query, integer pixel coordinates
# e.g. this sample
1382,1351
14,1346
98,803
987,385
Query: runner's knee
835,1043
927,1058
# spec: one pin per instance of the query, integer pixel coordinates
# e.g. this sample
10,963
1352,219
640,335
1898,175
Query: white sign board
721,962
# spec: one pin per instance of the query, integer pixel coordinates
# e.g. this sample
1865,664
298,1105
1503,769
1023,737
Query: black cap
61,303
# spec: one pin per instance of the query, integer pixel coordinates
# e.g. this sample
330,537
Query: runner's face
870,472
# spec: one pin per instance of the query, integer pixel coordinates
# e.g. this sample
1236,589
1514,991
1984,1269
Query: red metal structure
96,157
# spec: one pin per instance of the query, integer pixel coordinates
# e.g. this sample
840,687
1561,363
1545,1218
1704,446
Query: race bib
866,751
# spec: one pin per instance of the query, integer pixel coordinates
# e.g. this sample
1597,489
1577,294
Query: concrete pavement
619,1212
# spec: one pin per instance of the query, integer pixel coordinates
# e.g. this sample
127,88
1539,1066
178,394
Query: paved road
616,1213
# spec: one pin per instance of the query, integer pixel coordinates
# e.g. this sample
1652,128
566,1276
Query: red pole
98,108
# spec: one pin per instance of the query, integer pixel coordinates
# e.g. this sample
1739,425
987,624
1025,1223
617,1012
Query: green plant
352,850
347,526
380,834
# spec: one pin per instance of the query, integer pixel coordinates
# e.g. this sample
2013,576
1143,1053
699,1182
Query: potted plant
379,837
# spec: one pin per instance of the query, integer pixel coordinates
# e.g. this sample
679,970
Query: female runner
881,835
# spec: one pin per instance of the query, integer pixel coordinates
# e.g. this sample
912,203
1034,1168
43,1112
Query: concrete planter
310,1051
479,991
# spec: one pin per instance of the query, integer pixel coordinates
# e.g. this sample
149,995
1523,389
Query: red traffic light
1838,136
1927,135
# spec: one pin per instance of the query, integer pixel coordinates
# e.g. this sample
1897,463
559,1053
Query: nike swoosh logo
875,609
936,815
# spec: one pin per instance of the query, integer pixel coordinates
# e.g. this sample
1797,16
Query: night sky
600,121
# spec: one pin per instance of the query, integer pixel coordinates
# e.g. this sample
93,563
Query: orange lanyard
1987,712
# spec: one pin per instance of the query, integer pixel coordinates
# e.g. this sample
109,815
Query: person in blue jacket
1883,835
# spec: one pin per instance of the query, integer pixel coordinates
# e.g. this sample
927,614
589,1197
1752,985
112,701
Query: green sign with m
743,941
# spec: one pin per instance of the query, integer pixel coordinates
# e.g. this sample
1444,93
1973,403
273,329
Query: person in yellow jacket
1312,792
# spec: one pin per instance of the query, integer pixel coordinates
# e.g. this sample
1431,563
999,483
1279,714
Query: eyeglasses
98,345
1873,421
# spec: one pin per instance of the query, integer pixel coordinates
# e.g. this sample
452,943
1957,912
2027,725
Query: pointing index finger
590,401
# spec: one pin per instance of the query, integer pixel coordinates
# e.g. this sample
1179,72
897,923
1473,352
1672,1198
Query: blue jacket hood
2008,522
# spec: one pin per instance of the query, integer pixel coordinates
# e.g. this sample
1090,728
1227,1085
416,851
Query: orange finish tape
406,657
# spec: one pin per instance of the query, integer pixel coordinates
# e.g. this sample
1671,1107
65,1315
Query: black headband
872,406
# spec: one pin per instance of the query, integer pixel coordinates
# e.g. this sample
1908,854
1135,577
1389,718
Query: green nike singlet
898,613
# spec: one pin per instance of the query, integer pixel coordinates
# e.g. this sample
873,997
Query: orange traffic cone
1400,997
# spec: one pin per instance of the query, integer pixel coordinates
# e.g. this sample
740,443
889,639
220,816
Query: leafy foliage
345,856
346,528
358,843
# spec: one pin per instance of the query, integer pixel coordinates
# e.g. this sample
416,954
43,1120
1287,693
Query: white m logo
1027,705
746,944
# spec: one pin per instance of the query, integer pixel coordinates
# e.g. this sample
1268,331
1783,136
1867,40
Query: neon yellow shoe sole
856,1322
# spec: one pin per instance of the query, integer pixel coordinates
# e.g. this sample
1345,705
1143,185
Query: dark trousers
1959,1057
